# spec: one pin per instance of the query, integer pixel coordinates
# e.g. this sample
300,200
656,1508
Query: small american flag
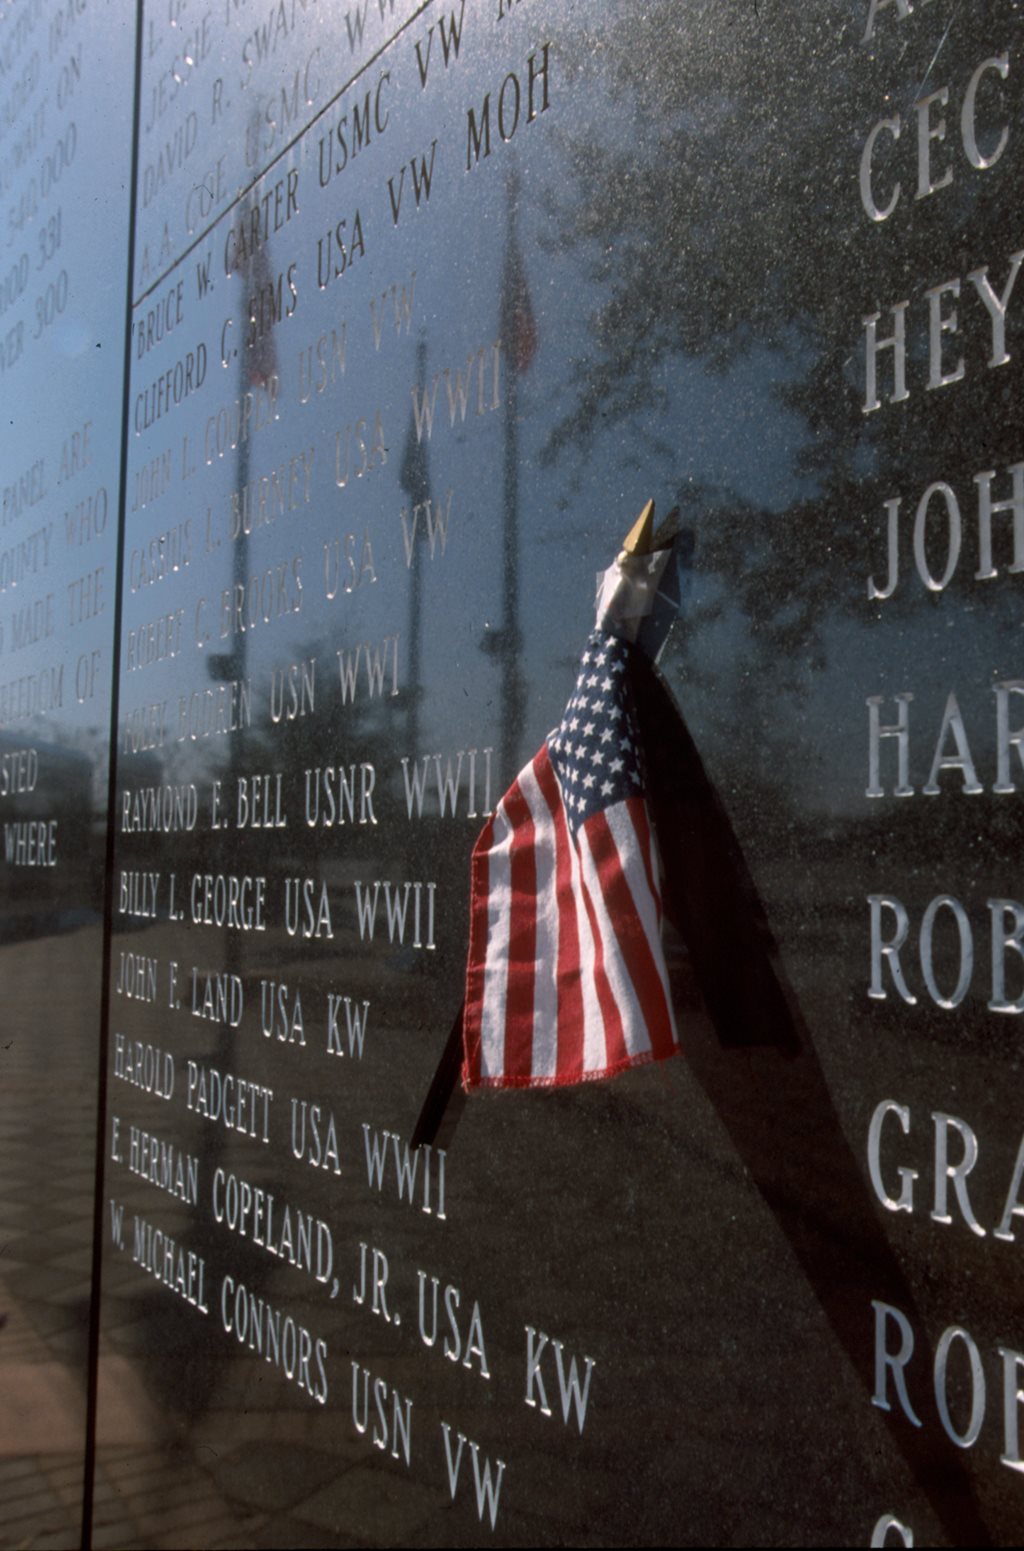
566,977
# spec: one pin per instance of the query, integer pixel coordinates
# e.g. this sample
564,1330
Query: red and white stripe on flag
566,976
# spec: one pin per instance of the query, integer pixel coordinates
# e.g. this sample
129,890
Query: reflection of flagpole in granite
519,345
257,363
414,478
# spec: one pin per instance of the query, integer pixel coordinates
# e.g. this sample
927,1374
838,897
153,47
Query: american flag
518,325
566,977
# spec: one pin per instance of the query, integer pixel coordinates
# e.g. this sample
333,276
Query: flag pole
221,667
512,695
414,479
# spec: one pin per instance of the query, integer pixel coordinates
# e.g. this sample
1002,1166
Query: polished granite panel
427,302
65,176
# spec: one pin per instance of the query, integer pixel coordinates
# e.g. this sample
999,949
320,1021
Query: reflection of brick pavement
226,1454
250,1463
239,1478
49,1049
48,1062
242,1476
48,1085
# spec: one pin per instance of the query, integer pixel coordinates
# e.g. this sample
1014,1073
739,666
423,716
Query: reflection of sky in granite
72,373
792,725
50,931
725,431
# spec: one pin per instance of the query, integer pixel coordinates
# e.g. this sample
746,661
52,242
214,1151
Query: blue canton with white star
595,751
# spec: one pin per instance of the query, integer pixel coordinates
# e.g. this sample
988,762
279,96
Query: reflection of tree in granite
707,269
740,237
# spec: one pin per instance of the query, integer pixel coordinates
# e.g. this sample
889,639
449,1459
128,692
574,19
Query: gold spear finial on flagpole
638,539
